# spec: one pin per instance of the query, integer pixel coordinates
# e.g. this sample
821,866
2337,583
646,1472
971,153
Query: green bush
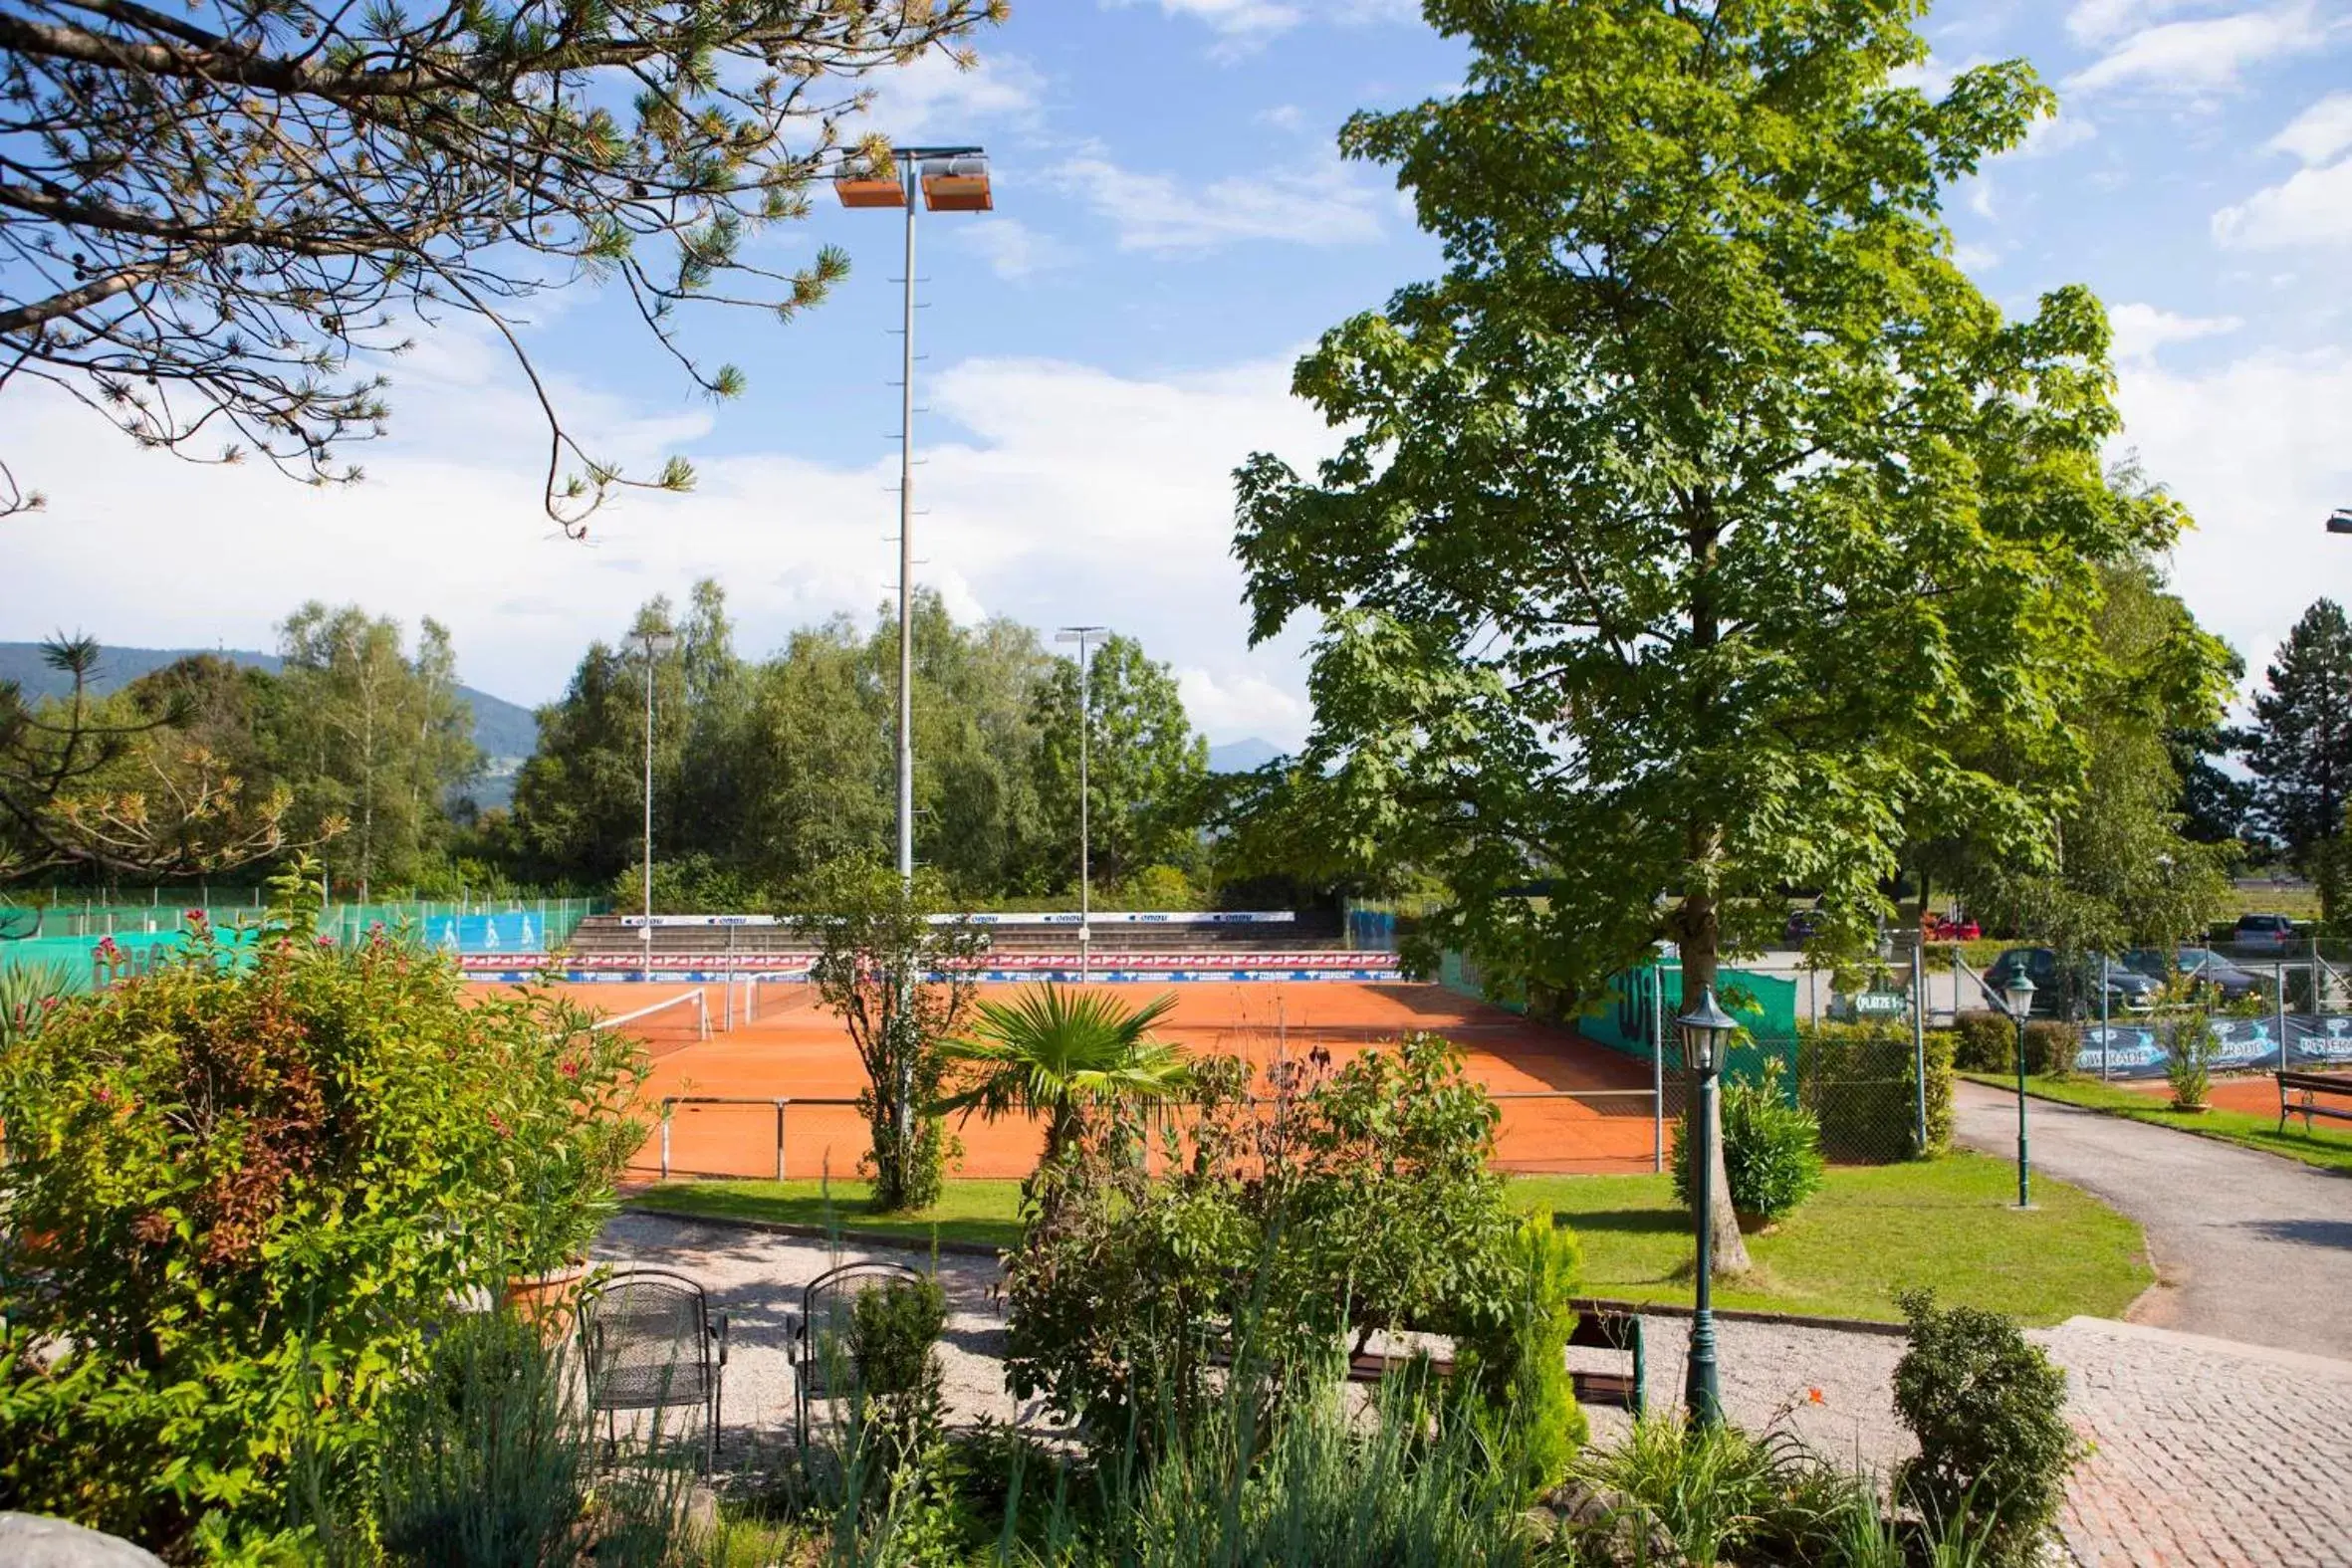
1989,1412
2049,1048
29,994
1860,1081
1983,1042
1333,1203
1771,1149
1515,1362
894,1345
235,1199
2188,1060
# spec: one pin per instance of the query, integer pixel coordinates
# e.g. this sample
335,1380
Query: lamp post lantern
1082,636
951,179
1706,1030
654,644
2017,995
2340,521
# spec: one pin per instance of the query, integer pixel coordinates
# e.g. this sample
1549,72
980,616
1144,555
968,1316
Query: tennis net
673,1023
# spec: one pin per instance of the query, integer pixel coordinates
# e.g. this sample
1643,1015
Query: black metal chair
653,1344
821,1369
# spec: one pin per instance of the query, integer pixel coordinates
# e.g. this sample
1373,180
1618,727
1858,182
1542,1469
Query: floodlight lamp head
2340,521
656,643
1706,1030
958,184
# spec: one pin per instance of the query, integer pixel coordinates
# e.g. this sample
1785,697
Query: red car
1944,928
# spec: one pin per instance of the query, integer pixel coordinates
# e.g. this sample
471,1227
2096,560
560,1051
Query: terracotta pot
1754,1225
2191,1110
548,1299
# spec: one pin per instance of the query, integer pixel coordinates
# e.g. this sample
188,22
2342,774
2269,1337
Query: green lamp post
2016,993
1706,1030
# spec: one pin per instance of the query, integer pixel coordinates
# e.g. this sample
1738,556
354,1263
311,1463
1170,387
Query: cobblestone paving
2205,1451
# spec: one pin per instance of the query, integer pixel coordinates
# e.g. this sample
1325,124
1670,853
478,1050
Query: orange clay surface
2255,1096
793,1049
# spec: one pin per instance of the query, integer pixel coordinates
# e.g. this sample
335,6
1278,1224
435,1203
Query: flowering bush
236,1196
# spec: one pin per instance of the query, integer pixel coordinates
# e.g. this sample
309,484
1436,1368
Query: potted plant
566,1140
2189,1066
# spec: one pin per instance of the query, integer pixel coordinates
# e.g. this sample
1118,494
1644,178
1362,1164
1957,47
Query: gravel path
2247,1246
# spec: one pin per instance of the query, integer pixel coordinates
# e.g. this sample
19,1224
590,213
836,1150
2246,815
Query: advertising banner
2140,1050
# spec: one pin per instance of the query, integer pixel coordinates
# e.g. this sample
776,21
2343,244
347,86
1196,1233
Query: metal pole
2024,1193
2104,1035
1085,728
645,952
1919,1041
665,1140
1702,1387
2279,1013
906,545
1657,1066
780,1140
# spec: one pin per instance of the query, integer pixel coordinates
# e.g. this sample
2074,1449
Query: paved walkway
2203,1454
2247,1246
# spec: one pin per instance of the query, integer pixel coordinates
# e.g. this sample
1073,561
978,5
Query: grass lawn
1873,1231
2322,1147
982,1211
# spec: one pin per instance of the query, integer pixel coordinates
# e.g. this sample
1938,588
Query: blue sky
1172,227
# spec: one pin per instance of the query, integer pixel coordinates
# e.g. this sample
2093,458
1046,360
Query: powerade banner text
2140,1050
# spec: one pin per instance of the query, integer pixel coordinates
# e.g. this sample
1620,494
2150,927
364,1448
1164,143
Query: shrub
1860,1081
1983,1042
245,1193
894,1345
29,994
1357,1200
1988,1411
2189,1064
1771,1149
2049,1048
1513,1362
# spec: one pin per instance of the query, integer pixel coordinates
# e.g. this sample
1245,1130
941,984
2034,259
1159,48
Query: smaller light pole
2017,995
1705,1030
1082,636
654,644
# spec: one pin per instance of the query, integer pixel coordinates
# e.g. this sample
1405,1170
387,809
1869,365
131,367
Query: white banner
639,922
1174,917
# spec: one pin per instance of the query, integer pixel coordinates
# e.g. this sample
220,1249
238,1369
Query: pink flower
195,917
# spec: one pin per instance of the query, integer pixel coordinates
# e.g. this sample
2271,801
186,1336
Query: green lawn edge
2322,1149
1946,1225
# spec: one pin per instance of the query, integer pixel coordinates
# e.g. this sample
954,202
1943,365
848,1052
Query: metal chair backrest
648,1339
828,1305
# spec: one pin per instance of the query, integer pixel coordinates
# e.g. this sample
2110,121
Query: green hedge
1986,1041
1860,1082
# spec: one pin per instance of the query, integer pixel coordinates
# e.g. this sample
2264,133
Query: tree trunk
1699,956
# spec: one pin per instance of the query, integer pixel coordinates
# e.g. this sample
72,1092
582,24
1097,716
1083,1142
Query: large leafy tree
2300,747
1684,524
1146,768
371,734
217,217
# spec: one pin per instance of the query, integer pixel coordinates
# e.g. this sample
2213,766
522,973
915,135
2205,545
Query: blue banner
2140,1050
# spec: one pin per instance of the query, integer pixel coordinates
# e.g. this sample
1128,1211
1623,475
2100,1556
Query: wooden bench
1595,1330
2310,1086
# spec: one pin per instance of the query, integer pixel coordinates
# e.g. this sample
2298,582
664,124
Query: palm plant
1055,1051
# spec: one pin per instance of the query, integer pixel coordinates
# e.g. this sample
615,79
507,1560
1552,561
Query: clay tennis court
1567,1104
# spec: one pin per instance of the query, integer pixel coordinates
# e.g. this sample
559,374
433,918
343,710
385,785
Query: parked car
2264,933
2058,995
2194,964
1802,926
1948,928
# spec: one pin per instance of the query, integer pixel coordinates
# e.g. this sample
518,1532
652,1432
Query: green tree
1146,768
212,210
902,986
1686,521
367,734
2301,747
1055,1051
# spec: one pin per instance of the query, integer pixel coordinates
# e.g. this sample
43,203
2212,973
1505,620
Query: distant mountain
501,727
1242,757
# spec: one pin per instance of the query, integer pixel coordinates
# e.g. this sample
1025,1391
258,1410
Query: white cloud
2256,450
1322,204
2055,133
2096,21
1974,258
933,99
1243,25
2141,330
1069,493
1013,249
2202,58
2319,132
2312,207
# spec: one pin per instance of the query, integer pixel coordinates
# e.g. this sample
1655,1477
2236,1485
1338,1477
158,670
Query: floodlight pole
1080,637
654,644
909,173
